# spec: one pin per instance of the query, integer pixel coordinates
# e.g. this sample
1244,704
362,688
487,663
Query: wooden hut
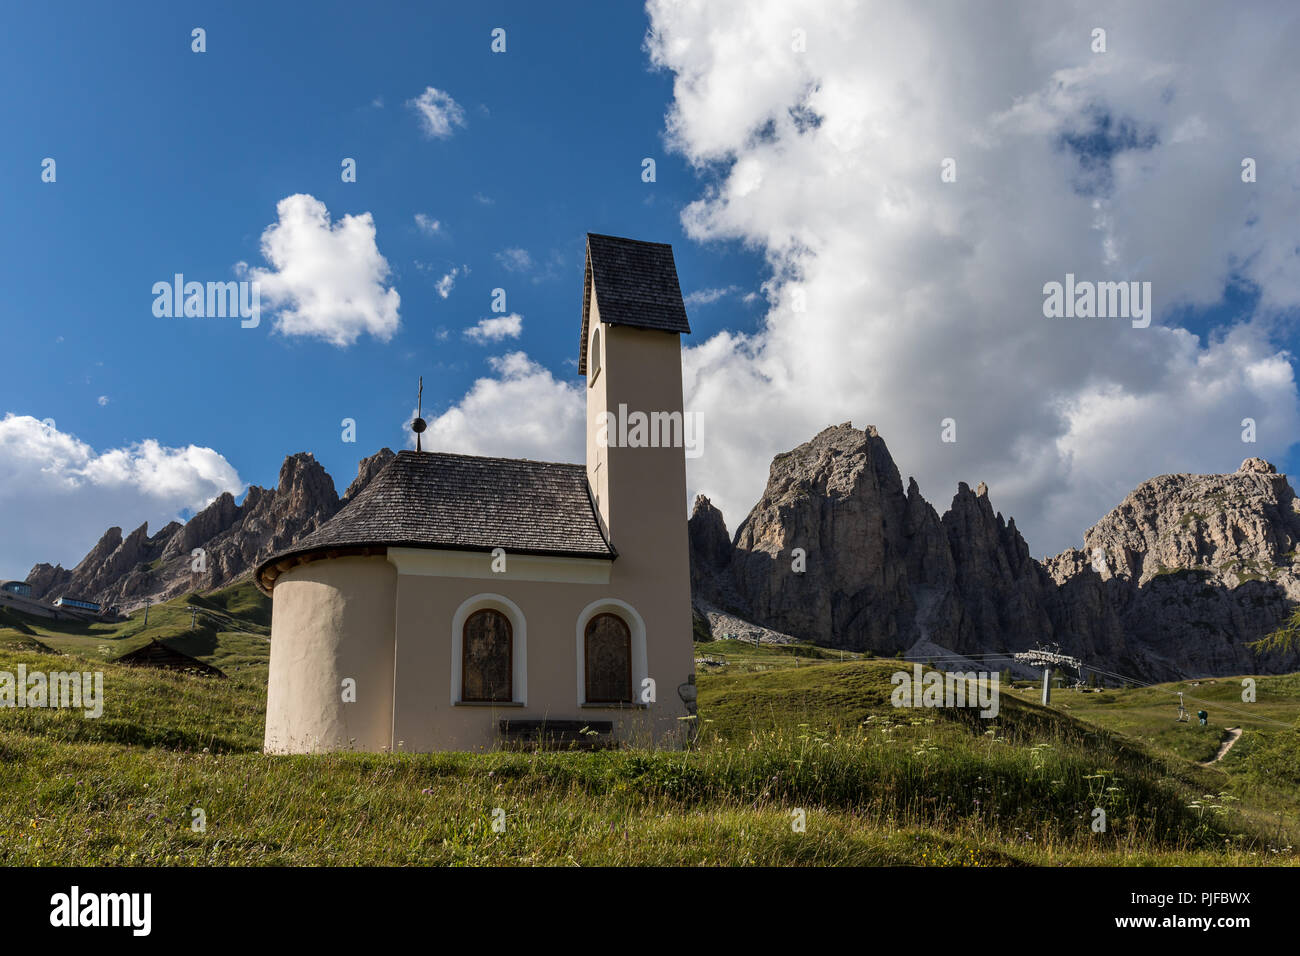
158,654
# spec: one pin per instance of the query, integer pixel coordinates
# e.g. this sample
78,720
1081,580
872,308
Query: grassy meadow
801,760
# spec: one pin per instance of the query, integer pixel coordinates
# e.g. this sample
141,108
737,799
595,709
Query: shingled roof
158,654
636,284
459,503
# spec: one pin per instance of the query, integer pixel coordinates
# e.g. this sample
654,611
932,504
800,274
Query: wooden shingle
459,503
157,654
636,284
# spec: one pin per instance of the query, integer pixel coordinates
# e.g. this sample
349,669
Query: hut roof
158,654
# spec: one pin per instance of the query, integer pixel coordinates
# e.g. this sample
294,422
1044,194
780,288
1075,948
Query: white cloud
327,281
515,260
439,113
709,296
103,400
58,494
448,281
521,411
923,298
496,329
427,224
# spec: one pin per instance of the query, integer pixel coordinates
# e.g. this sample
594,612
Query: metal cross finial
419,424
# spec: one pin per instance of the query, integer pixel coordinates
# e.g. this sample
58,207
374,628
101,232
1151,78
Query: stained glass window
608,647
487,664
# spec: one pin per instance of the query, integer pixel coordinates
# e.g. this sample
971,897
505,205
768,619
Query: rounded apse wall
331,675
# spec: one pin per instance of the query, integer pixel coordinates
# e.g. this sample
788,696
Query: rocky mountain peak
108,543
224,539
1258,465
366,471
710,543
305,488
1174,581
1224,525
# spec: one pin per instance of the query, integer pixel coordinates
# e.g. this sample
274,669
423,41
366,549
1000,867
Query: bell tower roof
635,284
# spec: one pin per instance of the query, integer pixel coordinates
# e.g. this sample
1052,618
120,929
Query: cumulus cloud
327,281
496,328
448,281
898,299
439,113
427,224
519,411
58,494
515,260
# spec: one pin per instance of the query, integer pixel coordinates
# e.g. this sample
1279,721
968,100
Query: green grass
864,803
784,731
745,657
1147,714
11,620
143,707
234,634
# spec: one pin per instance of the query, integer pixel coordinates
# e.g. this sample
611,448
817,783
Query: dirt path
1234,733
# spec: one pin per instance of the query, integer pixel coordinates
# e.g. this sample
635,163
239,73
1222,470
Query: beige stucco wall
428,718
331,620
642,499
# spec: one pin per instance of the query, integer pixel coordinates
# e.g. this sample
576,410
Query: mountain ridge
1174,581
232,538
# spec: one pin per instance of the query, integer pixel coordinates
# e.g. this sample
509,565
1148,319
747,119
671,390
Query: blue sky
924,298
173,161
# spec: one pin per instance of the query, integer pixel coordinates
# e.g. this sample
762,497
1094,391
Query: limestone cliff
1173,582
232,538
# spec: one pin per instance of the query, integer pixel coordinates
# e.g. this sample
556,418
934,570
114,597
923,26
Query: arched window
593,357
487,657
607,644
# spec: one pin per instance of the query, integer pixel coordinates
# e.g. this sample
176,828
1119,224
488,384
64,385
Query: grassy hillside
232,631
786,734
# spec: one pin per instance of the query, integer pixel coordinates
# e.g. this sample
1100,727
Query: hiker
1203,716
